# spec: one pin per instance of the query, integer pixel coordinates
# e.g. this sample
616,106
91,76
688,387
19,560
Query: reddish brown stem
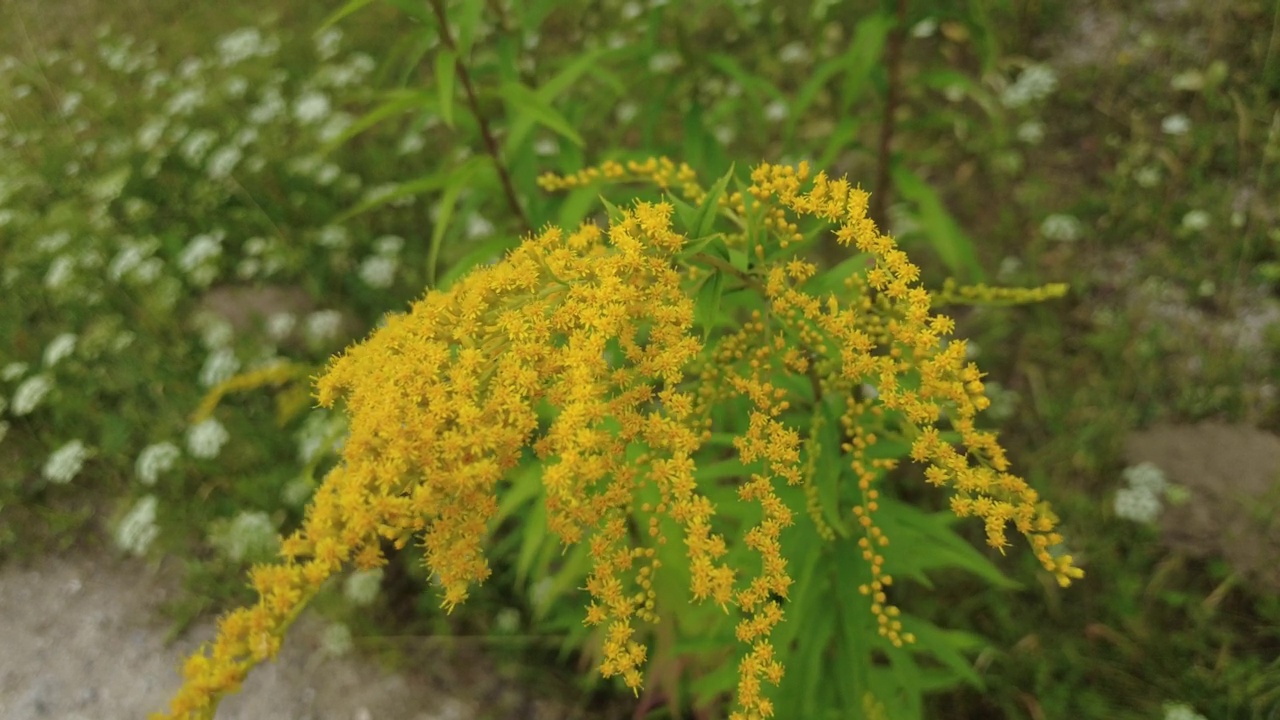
491,143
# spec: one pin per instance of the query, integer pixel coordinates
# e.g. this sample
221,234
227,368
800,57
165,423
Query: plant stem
893,64
491,144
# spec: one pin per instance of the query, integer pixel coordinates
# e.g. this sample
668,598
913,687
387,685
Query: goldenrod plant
719,425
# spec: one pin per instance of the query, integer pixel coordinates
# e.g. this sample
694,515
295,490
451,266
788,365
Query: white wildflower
190,67
327,173
794,53
250,536
1031,132
270,107
337,640
235,86
202,251
311,107
776,111
334,237
411,143
148,271
70,102
1181,711
1177,124
197,145
626,112
280,324
664,62
334,127
205,440
1147,176
388,245
1137,504
29,394
1146,476
53,242
378,271
65,463
478,227
59,349
361,587
137,530
245,137
248,268
240,45
1196,221
221,365
155,459
223,161
185,102
13,371
122,341
1034,83
545,146
215,331
1062,228
328,43
322,326
130,259
925,28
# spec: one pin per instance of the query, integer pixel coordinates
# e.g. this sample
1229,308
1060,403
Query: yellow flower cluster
580,346
661,172
952,293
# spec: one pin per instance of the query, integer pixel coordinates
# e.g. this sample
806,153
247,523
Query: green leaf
458,181
945,235
925,541
949,647
757,86
394,103
468,19
864,56
832,281
615,213
710,207
342,12
706,310
524,101
491,248
424,184
808,92
687,214
576,206
446,72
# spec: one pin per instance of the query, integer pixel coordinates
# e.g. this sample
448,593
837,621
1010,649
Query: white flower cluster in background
379,270
1061,227
1181,711
321,433
65,462
29,394
1141,500
138,529
250,535
155,459
206,439
1034,83
362,586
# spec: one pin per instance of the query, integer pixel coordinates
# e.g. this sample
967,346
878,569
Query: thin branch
491,144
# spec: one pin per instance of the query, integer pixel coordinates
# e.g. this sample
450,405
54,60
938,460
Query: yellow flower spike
597,323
